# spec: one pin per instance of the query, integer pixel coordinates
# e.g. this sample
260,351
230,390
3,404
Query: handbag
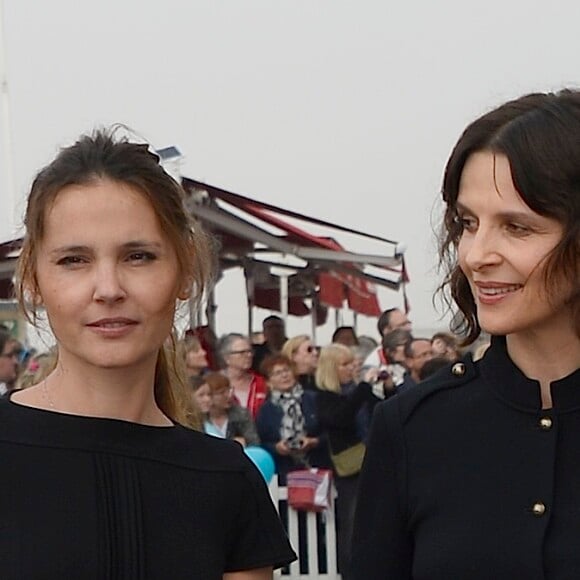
309,489
349,461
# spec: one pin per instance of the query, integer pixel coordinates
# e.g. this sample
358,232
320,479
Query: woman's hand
241,441
309,443
282,448
371,375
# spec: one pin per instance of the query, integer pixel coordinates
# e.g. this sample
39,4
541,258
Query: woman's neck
238,375
126,394
545,356
217,415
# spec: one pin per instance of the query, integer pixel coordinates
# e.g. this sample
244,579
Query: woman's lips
494,292
112,327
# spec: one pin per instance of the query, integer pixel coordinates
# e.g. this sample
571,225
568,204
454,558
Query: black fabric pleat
121,531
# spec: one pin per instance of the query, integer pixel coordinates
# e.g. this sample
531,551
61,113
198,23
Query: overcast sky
342,110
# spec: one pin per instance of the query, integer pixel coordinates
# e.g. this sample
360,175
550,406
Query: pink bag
309,489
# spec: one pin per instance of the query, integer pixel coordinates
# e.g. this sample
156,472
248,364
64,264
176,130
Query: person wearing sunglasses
303,356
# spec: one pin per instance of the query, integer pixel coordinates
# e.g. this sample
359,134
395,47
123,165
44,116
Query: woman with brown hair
127,489
475,473
224,418
194,356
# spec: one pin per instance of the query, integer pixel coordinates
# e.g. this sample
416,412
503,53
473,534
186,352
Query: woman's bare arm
258,574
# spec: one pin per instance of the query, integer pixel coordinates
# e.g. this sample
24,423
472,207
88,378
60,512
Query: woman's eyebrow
70,249
135,244
506,215
463,208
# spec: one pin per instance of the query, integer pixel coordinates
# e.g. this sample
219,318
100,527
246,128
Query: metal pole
6,133
284,296
250,288
313,314
211,310
283,273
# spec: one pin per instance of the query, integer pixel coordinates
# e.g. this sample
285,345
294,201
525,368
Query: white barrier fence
315,532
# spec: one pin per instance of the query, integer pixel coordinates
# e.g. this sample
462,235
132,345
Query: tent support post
249,276
313,313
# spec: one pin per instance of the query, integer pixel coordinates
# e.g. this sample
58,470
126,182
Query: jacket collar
519,391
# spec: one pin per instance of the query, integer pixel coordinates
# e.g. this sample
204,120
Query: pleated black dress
107,499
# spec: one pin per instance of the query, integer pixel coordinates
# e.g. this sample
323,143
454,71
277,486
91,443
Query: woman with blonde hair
343,409
127,488
303,356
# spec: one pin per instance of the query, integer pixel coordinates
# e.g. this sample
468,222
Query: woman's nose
108,284
481,249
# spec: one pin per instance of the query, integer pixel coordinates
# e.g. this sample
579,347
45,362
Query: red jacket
257,394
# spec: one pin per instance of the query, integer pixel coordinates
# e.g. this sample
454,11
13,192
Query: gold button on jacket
458,369
539,509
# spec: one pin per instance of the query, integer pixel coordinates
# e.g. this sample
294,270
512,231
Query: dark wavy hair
539,134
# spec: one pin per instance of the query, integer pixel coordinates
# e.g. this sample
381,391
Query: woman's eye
518,229
465,222
71,261
142,257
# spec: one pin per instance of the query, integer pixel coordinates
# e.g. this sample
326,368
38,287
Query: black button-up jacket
467,478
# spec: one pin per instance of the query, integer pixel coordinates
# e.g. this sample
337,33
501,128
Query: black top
308,382
466,477
261,351
337,415
96,498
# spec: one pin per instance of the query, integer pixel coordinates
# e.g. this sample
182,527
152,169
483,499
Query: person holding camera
392,375
287,422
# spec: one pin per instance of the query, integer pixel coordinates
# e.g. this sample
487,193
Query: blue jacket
268,423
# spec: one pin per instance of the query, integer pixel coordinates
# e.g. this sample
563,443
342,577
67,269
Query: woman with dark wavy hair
475,473
127,488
